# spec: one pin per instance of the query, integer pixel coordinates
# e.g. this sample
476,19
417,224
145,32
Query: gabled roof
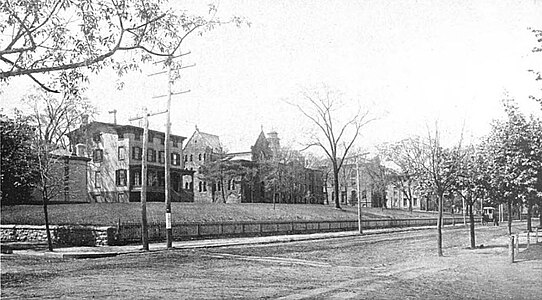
212,141
209,140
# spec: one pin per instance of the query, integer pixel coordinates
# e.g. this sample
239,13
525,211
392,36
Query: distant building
305,187
201,148
114,169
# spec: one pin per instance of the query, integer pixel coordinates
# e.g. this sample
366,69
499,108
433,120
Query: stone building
200,148
306,186
114,169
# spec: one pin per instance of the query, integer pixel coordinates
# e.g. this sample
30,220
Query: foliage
66,37
18,160
222,169
335,133
514,159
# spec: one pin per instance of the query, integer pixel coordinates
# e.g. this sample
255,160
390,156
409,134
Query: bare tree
53,117
438,168
336,133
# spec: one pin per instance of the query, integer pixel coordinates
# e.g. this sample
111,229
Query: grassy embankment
110,213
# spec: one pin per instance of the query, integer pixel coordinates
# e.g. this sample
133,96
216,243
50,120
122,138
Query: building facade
114,169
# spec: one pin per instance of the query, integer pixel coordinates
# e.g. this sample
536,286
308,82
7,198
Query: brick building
114,169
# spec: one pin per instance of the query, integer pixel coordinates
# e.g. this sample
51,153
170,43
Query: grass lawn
110,213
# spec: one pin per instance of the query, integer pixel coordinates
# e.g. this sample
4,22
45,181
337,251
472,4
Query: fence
157,232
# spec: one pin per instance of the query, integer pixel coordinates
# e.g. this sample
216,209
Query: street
384,266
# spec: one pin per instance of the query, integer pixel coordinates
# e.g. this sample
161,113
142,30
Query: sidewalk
110,251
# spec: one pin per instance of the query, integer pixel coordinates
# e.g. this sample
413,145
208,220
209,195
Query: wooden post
528,238
511,249
517,243
537,235
144,227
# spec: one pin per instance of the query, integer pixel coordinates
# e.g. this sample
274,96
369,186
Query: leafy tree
471,183
516,159
64,38
336,130
18,160
222,169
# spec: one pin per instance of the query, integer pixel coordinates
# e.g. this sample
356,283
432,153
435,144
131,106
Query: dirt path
392,266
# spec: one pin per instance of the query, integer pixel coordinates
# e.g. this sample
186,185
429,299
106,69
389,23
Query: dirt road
391,266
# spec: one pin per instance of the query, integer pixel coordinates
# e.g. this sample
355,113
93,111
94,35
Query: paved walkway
108,251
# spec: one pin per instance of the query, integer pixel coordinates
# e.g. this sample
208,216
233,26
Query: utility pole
359,198
144,225
167,149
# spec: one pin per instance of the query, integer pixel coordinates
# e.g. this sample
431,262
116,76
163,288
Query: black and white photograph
258,149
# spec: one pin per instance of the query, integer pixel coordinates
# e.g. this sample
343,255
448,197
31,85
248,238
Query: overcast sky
410,62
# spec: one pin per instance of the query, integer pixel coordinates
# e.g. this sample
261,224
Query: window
98,155
219,186
186,185
404,202
136,153
151,155
136,177
175,159
233,184
175,143
415,201
185,158
120,177
122,153
200,189
137,136
161,178
152,178
98,179
161,157
199,157
205,186
97,137
191,157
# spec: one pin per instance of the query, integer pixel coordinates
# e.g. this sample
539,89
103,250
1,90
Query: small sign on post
511,249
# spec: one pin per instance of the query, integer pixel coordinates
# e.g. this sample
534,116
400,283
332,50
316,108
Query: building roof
121,129
212,140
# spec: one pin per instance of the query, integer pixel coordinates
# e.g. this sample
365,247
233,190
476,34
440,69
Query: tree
538,48
335,134
18,161
53,117
66,37
514,147
404,155
471,183
438,168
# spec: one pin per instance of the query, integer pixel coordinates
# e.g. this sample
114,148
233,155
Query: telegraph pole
167,146
144,225
359,198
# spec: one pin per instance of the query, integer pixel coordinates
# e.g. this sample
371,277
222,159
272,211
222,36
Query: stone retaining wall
61,235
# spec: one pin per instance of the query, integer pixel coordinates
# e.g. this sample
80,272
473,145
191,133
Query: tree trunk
529,212
47,230
336,187
439,224
471,225
509,216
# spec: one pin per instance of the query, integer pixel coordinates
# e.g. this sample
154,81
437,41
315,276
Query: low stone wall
61,235
131,233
